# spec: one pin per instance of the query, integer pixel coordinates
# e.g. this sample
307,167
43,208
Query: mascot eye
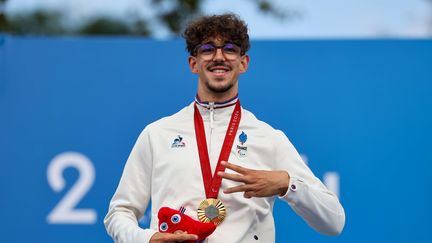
163,227
175,218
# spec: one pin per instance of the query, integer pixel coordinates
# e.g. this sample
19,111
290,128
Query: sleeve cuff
146,235
294,186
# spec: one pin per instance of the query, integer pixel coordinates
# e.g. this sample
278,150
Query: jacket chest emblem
241,147
178,142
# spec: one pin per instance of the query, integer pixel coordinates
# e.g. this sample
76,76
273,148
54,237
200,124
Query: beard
218,89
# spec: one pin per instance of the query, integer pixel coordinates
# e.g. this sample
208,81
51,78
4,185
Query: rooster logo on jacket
178,142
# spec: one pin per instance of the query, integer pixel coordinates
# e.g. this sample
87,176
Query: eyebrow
213,43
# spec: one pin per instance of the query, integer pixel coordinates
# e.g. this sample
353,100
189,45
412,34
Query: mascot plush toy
171,220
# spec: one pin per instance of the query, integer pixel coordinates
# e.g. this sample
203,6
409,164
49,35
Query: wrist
284,183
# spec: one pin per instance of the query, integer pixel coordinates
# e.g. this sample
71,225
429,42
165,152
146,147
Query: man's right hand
168,237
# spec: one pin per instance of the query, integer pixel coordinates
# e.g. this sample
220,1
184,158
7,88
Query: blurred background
270,19
349,82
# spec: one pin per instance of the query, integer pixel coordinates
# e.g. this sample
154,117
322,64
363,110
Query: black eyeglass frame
195,50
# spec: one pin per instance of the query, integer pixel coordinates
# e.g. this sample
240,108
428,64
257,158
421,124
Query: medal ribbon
212,183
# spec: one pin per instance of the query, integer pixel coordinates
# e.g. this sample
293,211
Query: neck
207,96
216,104
215,99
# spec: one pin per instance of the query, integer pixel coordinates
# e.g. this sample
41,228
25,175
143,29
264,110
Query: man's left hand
257,183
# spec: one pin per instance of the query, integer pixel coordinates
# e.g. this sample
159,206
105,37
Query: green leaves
171,14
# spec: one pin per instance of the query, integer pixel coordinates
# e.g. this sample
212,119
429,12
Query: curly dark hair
227,26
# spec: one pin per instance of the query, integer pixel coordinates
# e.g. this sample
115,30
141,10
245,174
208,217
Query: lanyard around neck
212,183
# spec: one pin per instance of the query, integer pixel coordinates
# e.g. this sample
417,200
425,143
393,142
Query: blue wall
361,109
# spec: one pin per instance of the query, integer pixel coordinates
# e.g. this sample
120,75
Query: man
216,159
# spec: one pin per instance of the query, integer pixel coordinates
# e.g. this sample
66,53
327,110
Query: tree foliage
172,14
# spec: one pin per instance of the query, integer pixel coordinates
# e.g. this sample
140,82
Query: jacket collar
216,105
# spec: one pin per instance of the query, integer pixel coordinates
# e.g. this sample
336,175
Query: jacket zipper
211,104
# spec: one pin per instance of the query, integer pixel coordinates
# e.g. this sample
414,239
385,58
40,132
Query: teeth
219,71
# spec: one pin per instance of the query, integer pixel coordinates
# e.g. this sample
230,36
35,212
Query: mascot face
175,221
169,220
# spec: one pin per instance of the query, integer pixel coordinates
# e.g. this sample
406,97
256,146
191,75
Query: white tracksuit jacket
169,172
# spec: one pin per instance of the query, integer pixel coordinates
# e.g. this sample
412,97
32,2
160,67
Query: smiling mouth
219,70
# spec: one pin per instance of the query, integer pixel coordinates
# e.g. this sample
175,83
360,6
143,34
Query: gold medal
211,210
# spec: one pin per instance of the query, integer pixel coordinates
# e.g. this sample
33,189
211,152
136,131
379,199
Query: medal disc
211,210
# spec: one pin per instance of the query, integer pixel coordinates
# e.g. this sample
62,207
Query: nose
218,54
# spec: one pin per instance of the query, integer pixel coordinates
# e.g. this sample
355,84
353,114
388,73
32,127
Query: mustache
219,64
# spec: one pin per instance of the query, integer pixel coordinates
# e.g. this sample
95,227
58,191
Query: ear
244,63
193,64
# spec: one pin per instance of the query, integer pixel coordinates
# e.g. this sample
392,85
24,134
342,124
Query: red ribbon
212,183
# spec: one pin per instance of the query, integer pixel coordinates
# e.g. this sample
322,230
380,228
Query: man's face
218,71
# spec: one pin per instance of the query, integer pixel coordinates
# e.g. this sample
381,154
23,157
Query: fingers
234,177
247,176
250,194
241,188
234,167
181,237
247,189
170,237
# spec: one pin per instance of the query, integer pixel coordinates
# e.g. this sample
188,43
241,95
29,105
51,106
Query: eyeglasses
207,51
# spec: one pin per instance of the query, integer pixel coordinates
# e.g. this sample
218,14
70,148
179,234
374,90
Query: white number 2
65,212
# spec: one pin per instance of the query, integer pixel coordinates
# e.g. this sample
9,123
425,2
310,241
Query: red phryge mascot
171,220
